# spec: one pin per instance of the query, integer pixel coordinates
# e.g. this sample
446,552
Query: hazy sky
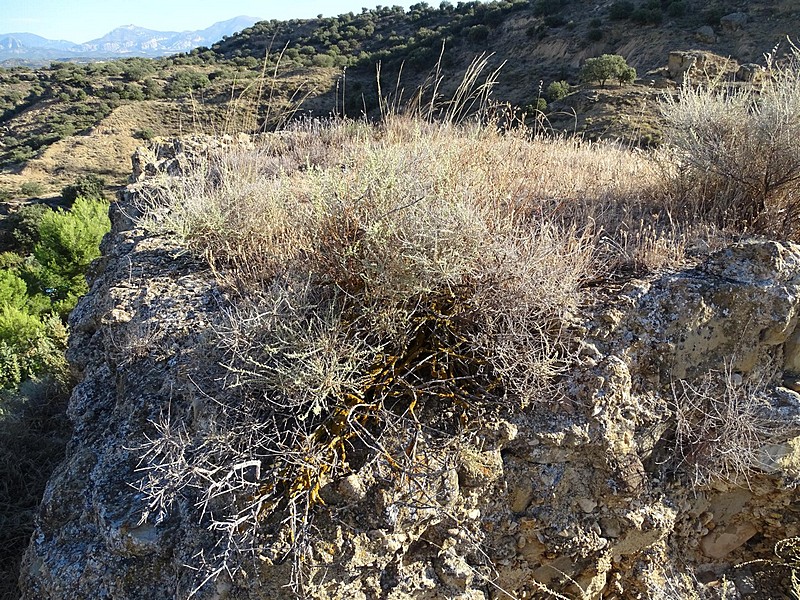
83,20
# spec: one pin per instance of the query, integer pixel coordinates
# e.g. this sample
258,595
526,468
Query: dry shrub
395,285
33,435
736,149
723,425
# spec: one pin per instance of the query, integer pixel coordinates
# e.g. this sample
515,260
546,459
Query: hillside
430,345
543,40
536,43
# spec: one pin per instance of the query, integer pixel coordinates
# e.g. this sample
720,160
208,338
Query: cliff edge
664,464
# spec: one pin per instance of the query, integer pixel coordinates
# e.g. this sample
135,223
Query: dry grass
736,150
394,285
723,425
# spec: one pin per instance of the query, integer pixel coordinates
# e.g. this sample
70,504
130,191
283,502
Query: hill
542,40
521,359
536,43
129,40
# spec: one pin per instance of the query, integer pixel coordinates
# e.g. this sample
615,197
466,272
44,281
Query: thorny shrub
736,149
392,286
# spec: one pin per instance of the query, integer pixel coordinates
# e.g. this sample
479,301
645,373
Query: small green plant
557,90
608,66
539,106
31,189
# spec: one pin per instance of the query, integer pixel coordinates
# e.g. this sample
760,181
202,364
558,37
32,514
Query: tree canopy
608,66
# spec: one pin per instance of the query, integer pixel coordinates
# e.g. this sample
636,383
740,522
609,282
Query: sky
83,20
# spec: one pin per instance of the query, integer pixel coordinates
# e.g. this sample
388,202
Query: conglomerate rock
620,486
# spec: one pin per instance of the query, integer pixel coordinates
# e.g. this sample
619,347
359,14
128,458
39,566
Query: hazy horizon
84,20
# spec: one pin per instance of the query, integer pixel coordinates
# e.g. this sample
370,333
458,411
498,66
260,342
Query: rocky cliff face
622,486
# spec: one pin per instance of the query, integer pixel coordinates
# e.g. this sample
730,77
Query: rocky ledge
664,466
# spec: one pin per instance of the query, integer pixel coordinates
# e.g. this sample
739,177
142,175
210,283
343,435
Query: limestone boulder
733,21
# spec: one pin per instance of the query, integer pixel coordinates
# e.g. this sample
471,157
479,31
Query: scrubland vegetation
39,285
391,278
396,282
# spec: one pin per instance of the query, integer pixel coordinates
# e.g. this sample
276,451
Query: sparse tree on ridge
608,66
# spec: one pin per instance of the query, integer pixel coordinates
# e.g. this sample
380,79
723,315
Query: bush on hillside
24,225
37,292
34,430
538,106
478,34
184,82
12,289
554,21
594,35
548,7
622,10
557,90
30,346
608,66
676,9
31,189
738,150
87,186
647,16
68,243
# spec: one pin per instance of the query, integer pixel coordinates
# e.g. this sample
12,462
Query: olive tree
608,66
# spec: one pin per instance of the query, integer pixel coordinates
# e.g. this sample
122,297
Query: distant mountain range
128,40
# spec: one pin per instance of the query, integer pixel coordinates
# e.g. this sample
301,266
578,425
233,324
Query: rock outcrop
706,35
734,21
665,460
699,65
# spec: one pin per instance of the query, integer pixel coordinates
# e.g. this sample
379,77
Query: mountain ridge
125,40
